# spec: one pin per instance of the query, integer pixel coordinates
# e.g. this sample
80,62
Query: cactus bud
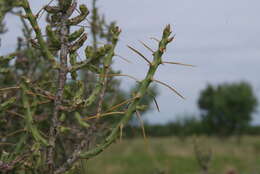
62,117
83,9
55,18
141,107
89,52
107,47
65,4
52,37
78,44
52,9
167,31
76,34
81,121
76,20
64,129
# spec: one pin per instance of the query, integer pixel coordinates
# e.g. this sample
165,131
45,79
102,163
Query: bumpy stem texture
157,60
63,70
33,21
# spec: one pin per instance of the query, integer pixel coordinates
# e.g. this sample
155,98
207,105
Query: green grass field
175,156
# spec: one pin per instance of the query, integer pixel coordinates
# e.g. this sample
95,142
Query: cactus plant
50,116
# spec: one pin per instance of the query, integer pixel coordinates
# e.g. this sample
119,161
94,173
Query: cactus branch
79,65
106,65
142,89
4,59
29,119
62,77
33,21
82,16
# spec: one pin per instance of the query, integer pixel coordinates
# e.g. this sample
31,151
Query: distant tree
227,108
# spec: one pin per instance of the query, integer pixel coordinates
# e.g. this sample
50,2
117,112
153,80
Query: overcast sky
220,37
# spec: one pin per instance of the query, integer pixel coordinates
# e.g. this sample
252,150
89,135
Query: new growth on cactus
53,104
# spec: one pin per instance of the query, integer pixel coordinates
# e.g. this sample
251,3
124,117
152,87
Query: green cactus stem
33,21
143,87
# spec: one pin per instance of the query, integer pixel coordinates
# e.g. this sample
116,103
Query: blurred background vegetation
220,139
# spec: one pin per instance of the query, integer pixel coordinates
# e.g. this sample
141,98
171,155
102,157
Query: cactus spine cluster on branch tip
47,91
